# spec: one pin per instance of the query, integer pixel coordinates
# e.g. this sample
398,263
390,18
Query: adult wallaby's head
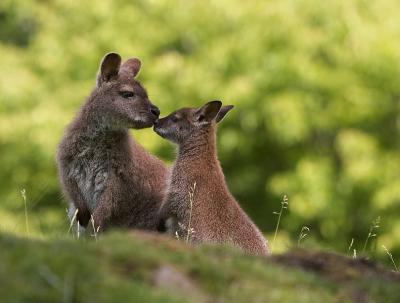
188,123
121,100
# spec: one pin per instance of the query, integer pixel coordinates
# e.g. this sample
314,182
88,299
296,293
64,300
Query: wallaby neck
93,126
200,147
198,159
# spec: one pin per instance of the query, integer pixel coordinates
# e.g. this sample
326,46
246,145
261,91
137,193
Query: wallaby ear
223,111
131,67
208,111
109,68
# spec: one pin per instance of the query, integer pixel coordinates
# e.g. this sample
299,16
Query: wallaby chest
91,169
179,188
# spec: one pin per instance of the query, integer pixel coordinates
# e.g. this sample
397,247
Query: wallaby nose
155,111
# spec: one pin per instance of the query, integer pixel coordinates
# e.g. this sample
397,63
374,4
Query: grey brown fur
103,171
216,217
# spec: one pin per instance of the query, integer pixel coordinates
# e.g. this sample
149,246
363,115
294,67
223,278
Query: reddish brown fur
104,172
216,216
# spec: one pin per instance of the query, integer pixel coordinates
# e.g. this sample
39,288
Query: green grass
126,267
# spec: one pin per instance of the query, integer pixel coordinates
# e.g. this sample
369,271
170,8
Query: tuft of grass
303,234
95,231
350,246
190,230
391,257
372,232
71,223
284,205
78,229
23,194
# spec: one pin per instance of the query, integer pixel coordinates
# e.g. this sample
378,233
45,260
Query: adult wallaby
198,205
103,171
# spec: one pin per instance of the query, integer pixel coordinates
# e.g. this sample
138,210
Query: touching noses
154,110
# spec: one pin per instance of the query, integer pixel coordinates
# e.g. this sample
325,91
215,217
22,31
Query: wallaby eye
174,118
126,94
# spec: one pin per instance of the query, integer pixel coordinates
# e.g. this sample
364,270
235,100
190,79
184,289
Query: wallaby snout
155,111
162,127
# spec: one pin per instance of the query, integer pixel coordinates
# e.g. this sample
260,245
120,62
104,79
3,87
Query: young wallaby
198,206
103,171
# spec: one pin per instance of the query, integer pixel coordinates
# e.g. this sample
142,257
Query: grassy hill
138,267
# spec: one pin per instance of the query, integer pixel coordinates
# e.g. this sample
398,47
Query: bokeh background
315,86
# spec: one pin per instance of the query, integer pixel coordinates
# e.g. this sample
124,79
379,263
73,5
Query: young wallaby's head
121,100
188,123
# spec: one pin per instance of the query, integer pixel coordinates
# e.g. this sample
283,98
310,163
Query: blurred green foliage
315,85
